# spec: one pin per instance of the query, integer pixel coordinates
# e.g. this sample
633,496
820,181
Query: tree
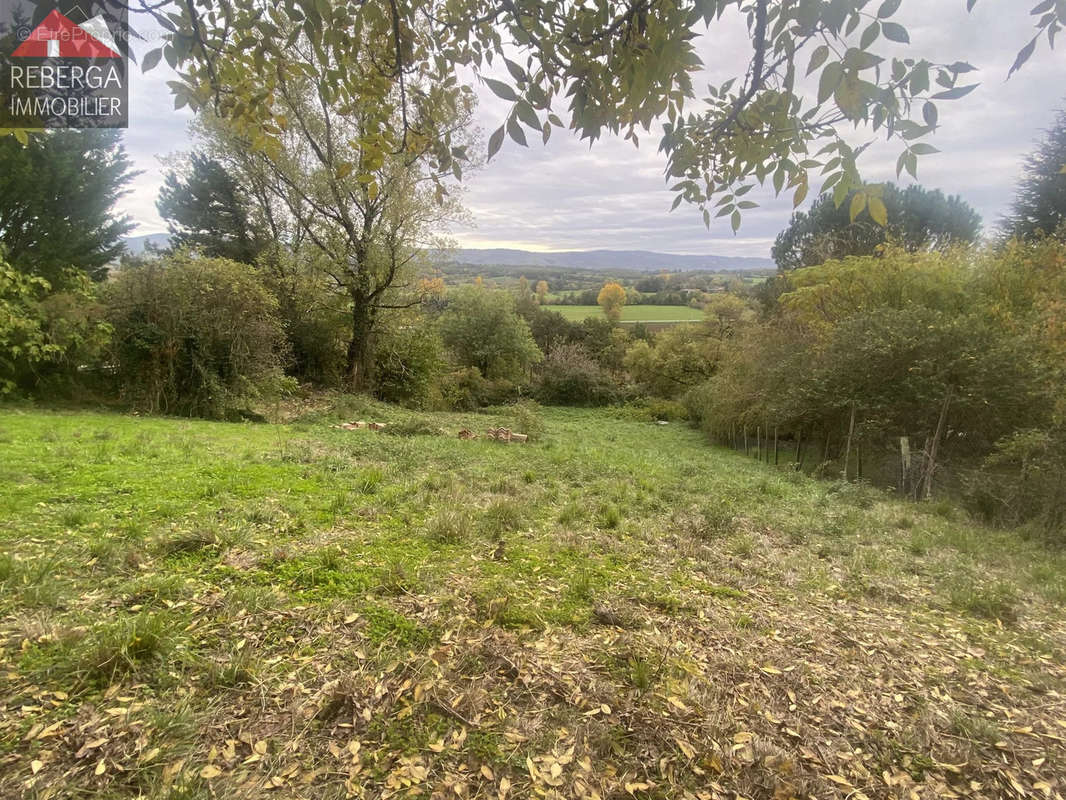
616,67
611,299
683,356
542,292
482,329
205,210
1040,200
326,188
57,198
917,219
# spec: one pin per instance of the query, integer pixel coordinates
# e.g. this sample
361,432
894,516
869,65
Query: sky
568,196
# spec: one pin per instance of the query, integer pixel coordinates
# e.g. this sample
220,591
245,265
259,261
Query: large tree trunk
359,370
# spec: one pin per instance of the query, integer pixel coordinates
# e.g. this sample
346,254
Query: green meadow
614,608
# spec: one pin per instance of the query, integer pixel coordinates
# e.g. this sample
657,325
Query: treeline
920,370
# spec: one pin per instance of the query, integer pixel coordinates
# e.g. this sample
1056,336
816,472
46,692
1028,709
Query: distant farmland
658,314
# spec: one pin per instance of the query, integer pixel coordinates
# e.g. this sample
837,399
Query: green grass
639,313
180,593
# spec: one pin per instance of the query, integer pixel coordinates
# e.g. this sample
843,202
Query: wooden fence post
847,447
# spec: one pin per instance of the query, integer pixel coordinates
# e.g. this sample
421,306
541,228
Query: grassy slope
192,609
633,313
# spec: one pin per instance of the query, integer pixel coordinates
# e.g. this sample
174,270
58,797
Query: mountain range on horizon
576,259
604,259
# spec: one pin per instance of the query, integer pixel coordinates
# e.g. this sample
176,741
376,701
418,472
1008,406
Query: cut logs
506,435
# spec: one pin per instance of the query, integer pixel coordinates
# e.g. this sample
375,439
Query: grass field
196,609
660,314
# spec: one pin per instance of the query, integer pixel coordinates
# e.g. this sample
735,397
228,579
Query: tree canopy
917,219
1040,200
611,299
57,198
817,69
206,210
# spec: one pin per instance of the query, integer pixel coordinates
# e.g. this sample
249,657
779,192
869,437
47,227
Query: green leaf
956,93
858,59
831,77
919,80
800,195
818,57
888,8
735,221
929,114
869,36
923,149
878,212
514,130
1023,56
151,58
495,141
516,71
23,139
528,115
895,32
501,89
677,202
858,203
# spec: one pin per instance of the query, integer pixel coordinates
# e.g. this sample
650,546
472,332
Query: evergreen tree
1040,199
57,198
205,210
917,219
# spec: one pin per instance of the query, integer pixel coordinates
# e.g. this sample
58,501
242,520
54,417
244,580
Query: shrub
526,418
408,362
194,336
1023,480
46,335
482,329
571,377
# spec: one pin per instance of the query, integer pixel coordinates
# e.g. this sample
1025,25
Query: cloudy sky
566,196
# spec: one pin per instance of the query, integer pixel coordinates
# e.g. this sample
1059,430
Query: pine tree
1040,200
205,210
57,197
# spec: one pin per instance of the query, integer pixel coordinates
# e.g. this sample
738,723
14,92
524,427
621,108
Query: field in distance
658,314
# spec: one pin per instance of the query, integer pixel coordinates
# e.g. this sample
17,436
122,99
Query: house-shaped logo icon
58,37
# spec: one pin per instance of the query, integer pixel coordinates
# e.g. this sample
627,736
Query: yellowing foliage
611,299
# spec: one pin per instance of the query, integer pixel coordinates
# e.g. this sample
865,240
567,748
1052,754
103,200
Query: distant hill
135,244
574,259
604,259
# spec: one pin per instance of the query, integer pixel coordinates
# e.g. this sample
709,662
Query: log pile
506,435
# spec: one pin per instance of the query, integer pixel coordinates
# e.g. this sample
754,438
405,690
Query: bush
482,329
46,336
654,409
408,362
466,390
1024,480
194,336
571,377
526,418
